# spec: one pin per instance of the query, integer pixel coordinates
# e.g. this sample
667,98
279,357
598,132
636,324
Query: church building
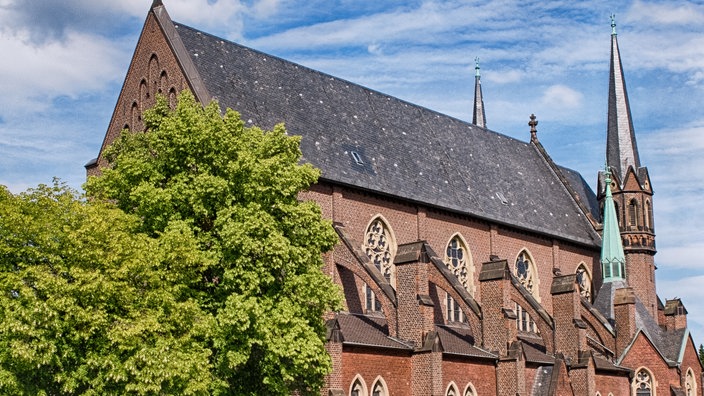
471,263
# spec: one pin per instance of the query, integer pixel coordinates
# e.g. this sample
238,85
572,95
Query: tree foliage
84,306
252,260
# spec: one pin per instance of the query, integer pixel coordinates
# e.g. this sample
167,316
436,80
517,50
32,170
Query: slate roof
407,151
367,330
668,343
457,340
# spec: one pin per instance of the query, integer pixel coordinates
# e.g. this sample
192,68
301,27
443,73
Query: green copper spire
613,261
613,24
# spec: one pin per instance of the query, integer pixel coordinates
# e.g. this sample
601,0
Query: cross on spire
533,131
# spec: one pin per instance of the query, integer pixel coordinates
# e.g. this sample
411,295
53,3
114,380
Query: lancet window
379,389
690,383
470,390
633,213
454,312
524,322
372,303
451,390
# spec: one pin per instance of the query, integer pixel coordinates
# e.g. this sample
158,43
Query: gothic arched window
357,388
379,388
584,281
648,215
643,383
458,260
526,273
469,390
380,247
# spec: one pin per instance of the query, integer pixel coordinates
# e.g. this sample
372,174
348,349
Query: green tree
701,353
84,306
235,189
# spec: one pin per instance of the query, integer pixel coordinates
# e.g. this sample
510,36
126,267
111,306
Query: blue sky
65,61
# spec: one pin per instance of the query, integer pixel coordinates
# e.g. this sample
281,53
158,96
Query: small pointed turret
621,149
613,259
478,116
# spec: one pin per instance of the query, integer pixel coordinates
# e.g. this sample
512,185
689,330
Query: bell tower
630,186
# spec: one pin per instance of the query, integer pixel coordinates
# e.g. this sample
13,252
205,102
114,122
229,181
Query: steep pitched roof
401,149
478,114
460,341
364,330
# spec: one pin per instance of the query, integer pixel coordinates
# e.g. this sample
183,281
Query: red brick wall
151,42
643,354
615,384
393,366
691,360
461,371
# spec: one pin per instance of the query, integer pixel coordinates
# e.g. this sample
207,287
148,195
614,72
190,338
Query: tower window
633,213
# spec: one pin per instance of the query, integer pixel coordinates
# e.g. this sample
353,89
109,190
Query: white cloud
34,75
666,13
561,97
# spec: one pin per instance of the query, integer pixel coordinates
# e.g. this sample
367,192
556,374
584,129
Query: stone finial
613,24
533,131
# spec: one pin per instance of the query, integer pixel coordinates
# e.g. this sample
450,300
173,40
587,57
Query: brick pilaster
625,317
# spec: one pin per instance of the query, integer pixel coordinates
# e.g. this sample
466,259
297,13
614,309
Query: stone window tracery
584,281
380,248
525,272
459,261
643,383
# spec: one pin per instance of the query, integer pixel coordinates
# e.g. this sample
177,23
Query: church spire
613,259
478,116
621,149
